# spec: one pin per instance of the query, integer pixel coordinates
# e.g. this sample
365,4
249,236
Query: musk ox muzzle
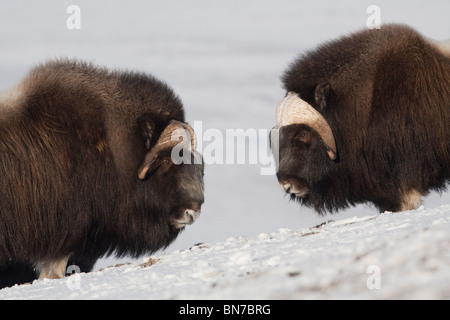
185,215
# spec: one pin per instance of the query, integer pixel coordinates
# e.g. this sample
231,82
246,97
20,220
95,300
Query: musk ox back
366,119
86,168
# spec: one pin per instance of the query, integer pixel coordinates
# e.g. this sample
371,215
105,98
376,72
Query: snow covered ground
224,59
388,256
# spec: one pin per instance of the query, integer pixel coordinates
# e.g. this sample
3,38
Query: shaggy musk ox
366,118
86,169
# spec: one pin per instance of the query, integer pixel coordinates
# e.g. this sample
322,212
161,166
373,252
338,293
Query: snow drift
387,256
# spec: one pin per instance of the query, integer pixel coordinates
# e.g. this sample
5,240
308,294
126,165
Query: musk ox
86,169
366,118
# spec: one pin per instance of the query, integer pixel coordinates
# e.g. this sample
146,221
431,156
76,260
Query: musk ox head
174,169
305,143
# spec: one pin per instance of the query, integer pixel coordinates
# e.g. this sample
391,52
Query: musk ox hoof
52,269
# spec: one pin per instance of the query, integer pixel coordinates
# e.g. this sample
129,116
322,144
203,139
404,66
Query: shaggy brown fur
72,137
386,96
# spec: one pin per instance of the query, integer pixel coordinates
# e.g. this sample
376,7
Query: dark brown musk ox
87,169
366,119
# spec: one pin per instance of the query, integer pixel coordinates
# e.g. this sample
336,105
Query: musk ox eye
165,163
159,165
303,136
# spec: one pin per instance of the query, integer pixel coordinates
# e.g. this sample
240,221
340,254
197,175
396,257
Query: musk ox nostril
184,217
294,188
286,187
191,215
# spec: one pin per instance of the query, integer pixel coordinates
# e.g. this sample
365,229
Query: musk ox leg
52,269
411,200
84,263
16,273
405,199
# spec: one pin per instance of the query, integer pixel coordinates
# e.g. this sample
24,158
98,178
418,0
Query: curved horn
175,133
293,110
190,135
